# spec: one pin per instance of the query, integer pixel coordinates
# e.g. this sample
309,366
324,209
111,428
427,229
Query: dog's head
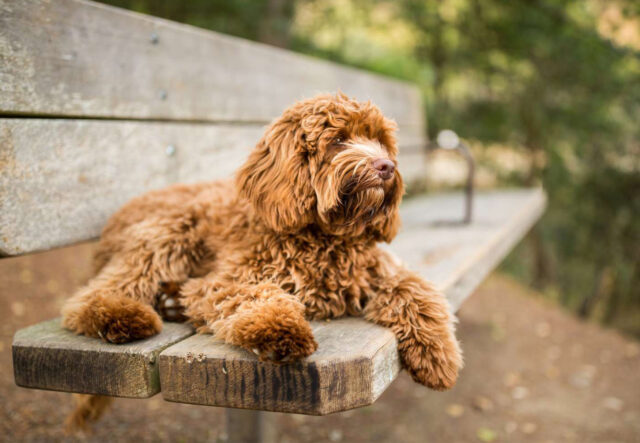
328,161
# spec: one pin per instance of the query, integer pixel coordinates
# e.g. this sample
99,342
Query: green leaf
486,434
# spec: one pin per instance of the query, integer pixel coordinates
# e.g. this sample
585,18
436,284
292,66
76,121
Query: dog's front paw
275,337
436,368
129,320
113,318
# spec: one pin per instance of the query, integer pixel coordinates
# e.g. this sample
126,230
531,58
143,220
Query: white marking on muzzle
372,148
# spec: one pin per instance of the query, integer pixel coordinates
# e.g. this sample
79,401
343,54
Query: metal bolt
448,139
163,94
154,38
170,150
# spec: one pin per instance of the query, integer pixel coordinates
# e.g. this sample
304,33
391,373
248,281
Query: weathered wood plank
354,363
457,257
47,356
61,179
454,256
77,58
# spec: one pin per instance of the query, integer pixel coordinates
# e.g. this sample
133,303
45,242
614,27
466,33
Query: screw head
170,150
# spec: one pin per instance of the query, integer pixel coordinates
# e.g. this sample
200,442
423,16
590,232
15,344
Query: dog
292,238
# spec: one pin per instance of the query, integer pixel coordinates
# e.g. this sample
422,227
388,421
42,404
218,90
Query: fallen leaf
529,428
510,427
583,378
53,286
511,379
543,329
335,435
455,410
486,434
519,392
631,350
26,276
18,308
153,405
579,381
498,332
613,403
482,403
552,372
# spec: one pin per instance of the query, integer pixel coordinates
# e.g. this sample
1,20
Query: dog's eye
338,140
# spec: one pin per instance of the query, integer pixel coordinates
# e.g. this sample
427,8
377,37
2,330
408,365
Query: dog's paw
127,321
113,318
435,376
435,368
277,338
285,346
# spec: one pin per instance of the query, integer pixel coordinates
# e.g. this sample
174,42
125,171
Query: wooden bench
98,105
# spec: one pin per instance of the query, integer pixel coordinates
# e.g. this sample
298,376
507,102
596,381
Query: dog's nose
385,168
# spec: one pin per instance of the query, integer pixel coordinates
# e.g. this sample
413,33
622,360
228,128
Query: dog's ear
276,178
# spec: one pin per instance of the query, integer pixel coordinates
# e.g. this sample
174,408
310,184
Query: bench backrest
99,104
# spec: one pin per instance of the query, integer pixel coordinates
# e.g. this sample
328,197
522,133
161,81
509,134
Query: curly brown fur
89,408
292,238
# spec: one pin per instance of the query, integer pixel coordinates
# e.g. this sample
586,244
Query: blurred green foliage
556,80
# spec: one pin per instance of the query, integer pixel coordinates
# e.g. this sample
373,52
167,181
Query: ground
532,373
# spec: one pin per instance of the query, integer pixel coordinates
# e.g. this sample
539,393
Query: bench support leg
248,426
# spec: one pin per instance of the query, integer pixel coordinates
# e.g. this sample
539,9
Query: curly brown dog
293,238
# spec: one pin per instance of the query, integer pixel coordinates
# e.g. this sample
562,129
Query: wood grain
47,356
76,58
61,179
457,257
354,363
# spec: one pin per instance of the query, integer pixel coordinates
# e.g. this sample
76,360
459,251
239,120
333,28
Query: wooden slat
354,363
46,356
77,58
61,179
455,257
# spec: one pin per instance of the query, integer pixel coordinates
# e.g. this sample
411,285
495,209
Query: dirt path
533,373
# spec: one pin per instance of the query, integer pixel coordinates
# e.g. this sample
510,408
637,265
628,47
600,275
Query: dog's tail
89,408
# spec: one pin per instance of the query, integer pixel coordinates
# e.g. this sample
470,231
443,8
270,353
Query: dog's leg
421,319
258,317
116,305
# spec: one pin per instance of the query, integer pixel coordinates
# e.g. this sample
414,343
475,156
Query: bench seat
355,360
